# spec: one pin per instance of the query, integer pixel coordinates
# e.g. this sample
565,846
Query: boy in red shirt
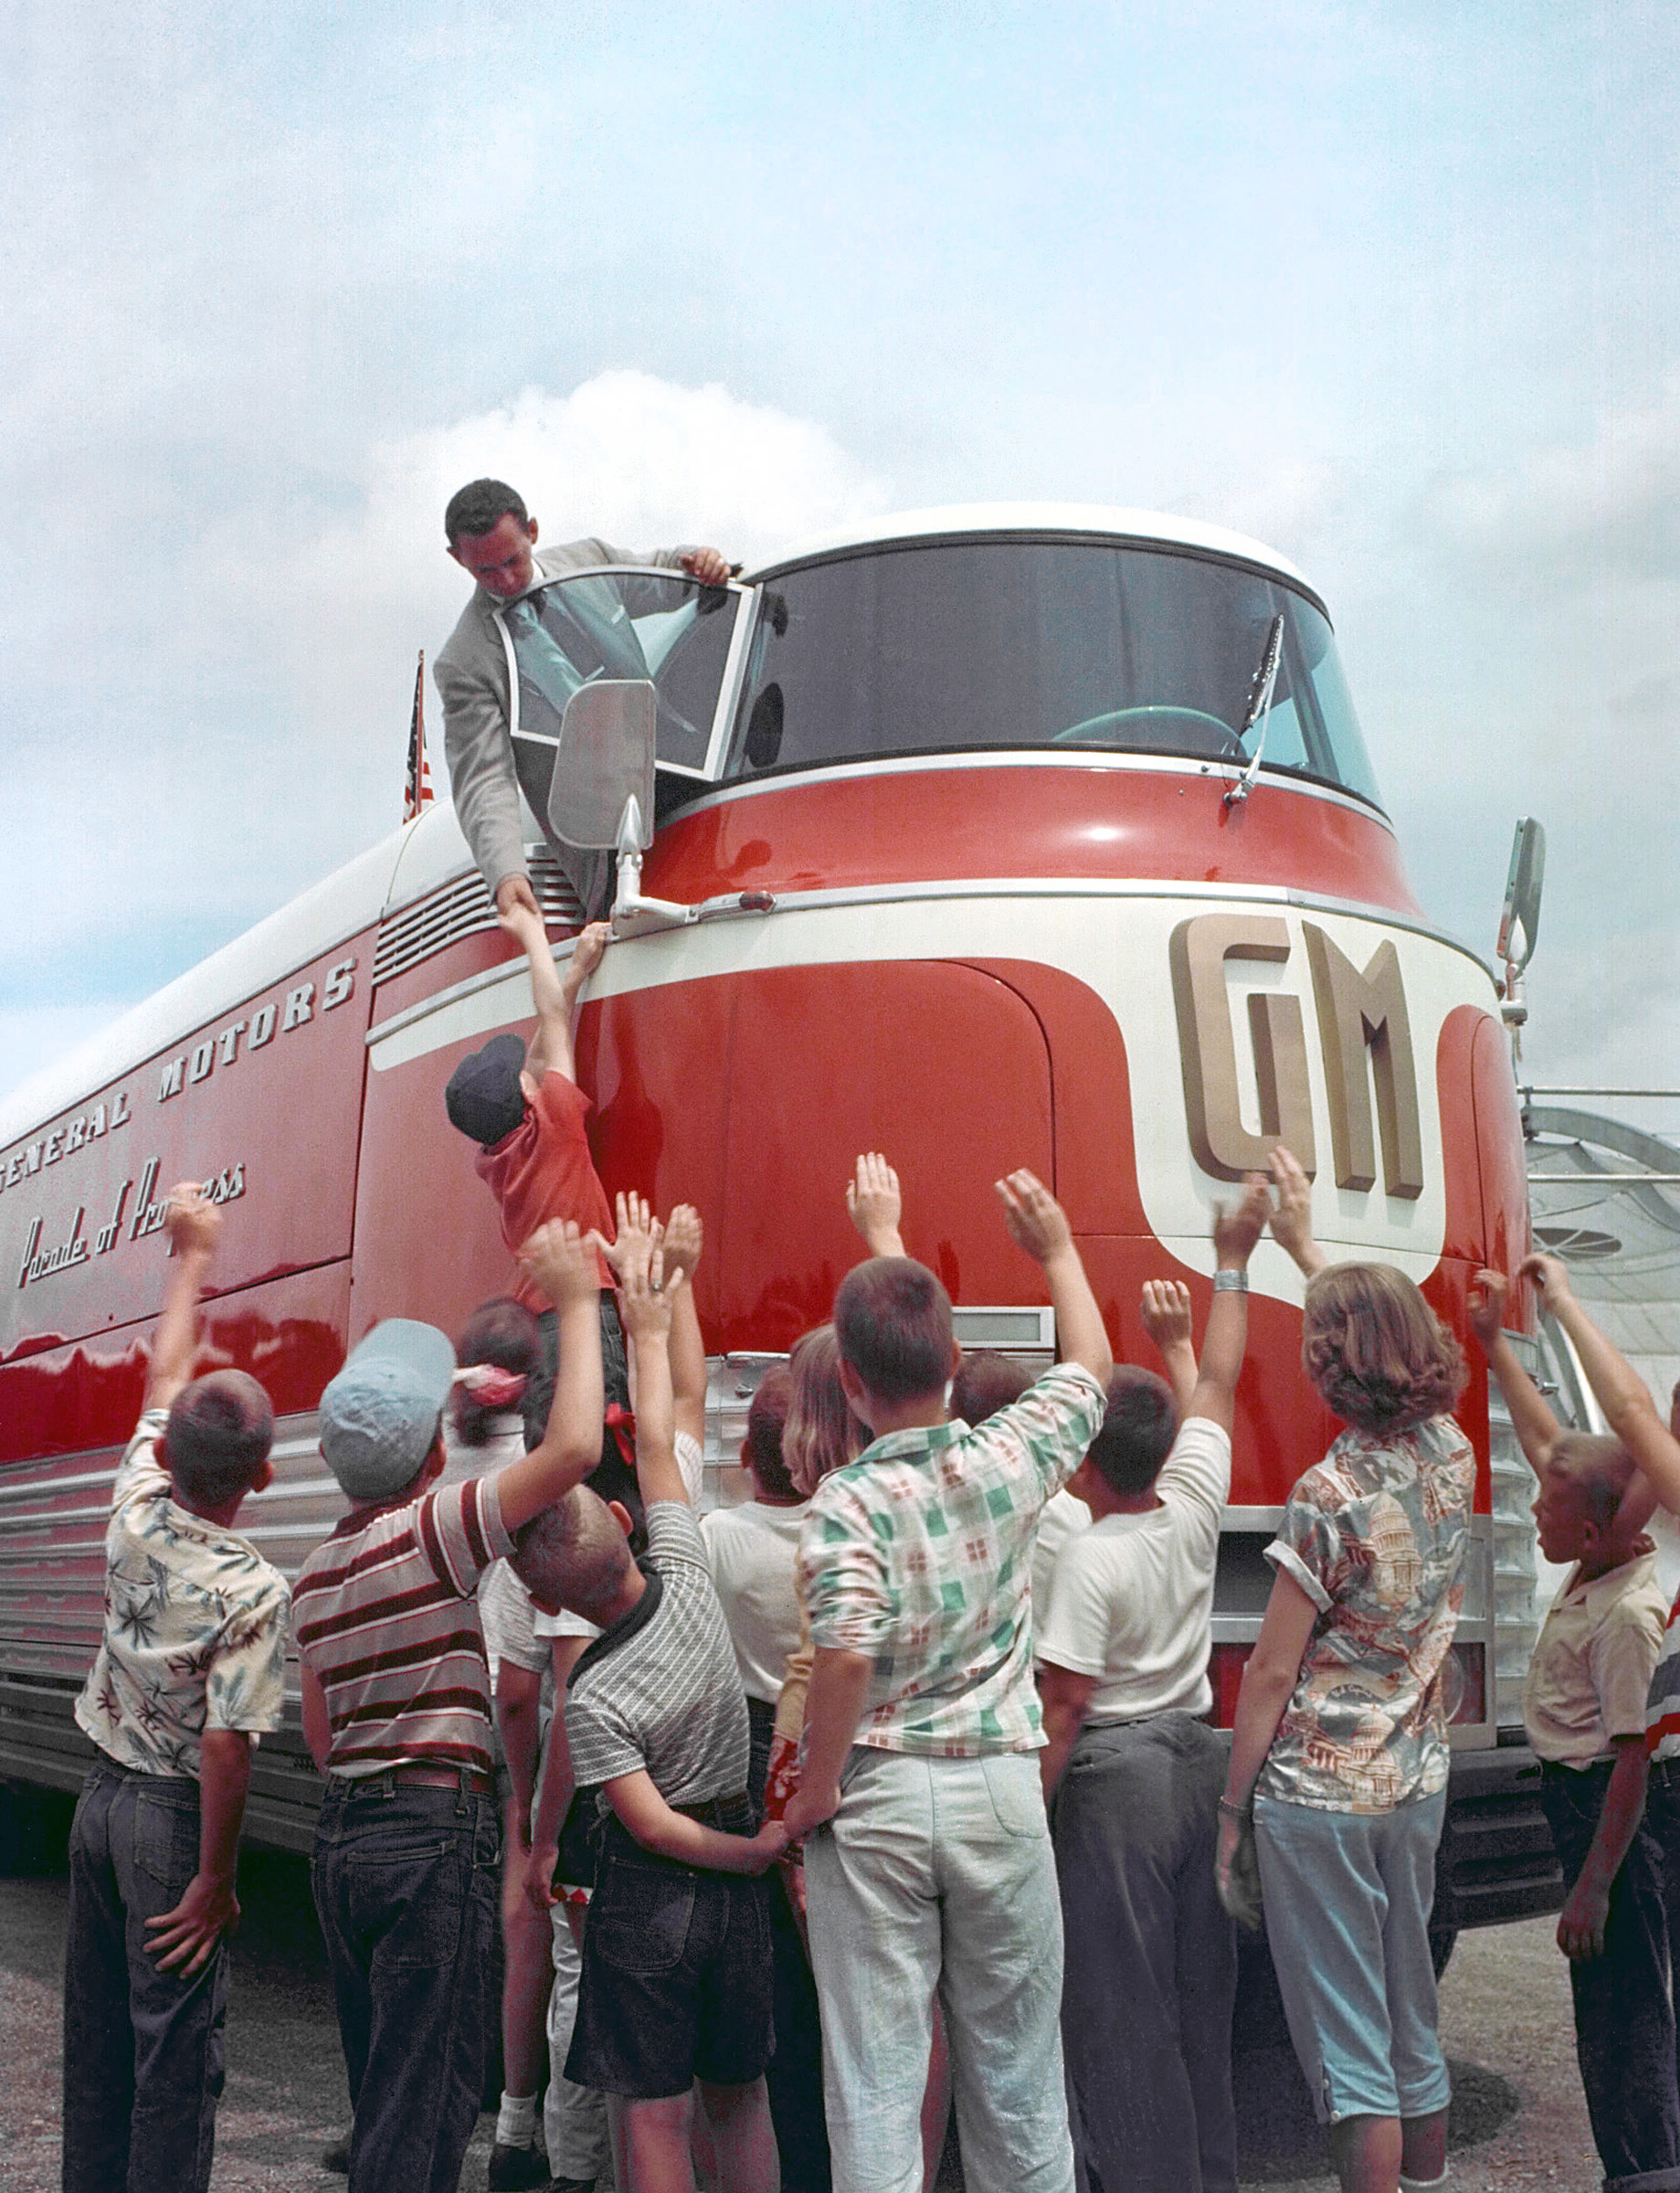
528,1116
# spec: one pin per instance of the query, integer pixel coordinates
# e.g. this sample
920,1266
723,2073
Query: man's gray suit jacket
471,677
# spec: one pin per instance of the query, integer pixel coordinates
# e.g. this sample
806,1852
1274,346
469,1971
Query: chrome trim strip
883,894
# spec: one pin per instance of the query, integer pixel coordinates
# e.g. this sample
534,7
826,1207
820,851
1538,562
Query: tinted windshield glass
624,624
1064,645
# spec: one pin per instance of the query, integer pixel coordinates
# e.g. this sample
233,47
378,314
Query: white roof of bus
1095,518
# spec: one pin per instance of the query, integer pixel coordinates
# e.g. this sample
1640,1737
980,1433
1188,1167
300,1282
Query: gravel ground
1518,2122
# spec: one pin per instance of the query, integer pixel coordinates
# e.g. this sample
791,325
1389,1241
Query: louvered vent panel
461,909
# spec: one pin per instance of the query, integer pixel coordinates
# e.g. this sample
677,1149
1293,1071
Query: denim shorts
1348,1898
678,1981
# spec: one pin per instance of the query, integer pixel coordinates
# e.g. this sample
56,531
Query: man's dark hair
218,1437
478,507
986,1382
767,1419
893,1320
1139,1426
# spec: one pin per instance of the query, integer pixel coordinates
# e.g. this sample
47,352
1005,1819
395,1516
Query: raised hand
876,1205
684,1238
1550,1277
1165,1313
1033,1216
1486,1306
561,1261
191,1222
1236,1232
1291,1215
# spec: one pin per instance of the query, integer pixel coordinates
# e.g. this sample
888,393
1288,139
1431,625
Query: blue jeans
938,1873
1151,1957
406,1888
1624,2019
142,2049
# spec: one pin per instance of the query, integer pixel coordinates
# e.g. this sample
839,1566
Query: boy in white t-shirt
752,1549
1132,1769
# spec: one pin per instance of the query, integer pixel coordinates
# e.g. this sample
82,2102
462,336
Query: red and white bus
1000,836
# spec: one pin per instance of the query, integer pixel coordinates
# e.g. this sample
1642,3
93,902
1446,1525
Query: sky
1393,287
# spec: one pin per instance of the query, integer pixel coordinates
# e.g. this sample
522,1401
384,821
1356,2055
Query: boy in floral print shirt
190,1670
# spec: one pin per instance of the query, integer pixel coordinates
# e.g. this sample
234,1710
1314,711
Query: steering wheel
1160,724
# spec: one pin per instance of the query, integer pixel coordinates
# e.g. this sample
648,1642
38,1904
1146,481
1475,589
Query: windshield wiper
1261,688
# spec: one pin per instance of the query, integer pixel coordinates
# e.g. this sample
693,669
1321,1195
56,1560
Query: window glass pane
629,624
1011,643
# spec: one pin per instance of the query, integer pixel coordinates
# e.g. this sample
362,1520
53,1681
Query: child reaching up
933,1870
527,1113
677,1983
1584,1710
190,1671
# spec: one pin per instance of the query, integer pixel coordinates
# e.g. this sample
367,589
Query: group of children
931,1712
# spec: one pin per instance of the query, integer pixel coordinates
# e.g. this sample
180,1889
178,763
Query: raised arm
193,1226
553,994
1536,1428
1292,1220
874,1205
1621,1393
683,1239
645,1306
563,1264
1226,1339
1040,1226
1166,1314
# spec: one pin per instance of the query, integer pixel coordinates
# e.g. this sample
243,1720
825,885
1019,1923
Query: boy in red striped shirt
396,1713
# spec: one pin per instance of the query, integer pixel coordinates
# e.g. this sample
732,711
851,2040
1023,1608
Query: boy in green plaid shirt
932,1869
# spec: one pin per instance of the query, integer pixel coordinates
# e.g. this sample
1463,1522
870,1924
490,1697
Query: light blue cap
380,1415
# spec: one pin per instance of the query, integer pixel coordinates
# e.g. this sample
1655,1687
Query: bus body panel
1129,971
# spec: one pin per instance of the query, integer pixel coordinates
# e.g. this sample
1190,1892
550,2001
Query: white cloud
638,460
258,719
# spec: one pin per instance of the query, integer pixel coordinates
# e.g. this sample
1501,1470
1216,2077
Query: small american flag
417,788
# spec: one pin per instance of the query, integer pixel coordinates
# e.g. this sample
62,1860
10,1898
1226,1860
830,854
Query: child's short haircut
821,1433
1377,1352
218,1437
986,1382
501,1334
892,1319
1139,1426
1597,1471
766,1420
574,1554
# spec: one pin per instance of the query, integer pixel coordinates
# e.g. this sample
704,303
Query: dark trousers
406,1888
1624,2020
142,2049
1151,1959
794,2076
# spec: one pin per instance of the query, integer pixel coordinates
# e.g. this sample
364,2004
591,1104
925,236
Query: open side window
622,622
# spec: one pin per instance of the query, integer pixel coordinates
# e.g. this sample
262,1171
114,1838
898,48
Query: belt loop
464,1793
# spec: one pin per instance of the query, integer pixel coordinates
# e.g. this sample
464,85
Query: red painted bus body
989,879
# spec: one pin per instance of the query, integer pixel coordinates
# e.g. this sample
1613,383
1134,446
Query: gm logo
1365,1040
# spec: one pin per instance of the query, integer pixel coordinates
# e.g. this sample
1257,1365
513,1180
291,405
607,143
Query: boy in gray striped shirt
677,1979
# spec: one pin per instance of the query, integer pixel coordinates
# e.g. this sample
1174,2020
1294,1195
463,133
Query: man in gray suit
492,536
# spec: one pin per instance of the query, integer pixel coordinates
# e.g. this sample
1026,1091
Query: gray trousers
1151,1959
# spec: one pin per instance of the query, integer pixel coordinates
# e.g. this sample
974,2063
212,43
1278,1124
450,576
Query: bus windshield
1070,646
